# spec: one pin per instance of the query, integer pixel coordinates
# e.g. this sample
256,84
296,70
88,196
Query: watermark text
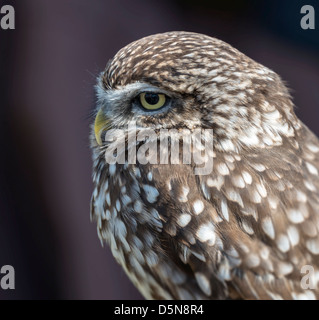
308,19
7,278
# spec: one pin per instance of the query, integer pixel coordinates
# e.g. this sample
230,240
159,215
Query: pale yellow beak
101,124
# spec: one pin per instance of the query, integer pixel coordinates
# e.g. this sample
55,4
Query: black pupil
151,98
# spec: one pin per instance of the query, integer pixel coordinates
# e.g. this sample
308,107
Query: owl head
185,80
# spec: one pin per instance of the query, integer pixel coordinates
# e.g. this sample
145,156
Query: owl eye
152,101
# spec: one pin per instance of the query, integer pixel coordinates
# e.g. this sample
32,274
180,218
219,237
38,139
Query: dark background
48,66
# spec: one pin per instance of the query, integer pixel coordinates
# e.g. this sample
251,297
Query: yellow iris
152,101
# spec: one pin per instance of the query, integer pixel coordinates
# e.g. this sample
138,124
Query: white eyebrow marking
127,91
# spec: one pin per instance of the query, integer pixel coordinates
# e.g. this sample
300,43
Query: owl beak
101,124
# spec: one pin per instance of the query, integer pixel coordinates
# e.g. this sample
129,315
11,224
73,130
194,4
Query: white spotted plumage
245,230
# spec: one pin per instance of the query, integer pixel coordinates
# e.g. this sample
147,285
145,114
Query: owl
245,229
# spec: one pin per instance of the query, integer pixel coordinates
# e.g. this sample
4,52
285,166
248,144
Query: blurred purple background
48,66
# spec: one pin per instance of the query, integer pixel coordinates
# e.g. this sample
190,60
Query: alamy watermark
162,146
7,17
310,279
7,278
308,19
